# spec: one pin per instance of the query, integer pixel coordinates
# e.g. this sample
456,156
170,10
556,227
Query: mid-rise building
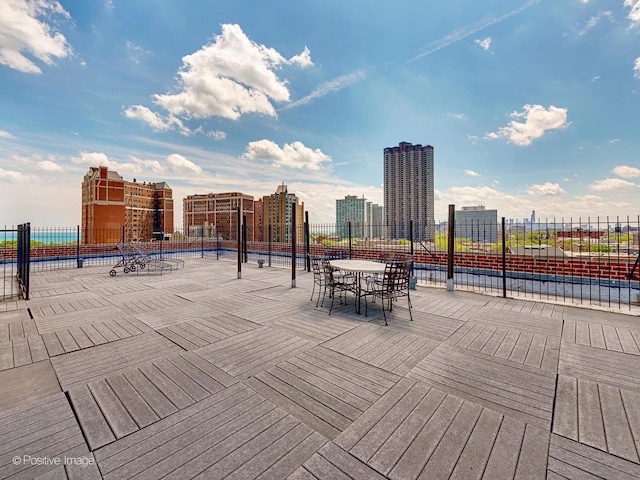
477,224
408,191
113,208
351,210
375,220
216,214
277,214
258,220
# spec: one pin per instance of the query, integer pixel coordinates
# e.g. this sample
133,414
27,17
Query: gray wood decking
196,374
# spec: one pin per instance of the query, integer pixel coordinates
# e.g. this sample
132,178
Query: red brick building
109,203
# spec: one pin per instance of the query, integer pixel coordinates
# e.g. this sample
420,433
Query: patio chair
393,285
335,282
318,277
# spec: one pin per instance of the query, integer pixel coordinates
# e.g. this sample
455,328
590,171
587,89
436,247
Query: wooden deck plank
21,352
160,404
565,422
619,438
591,426
178,397
503,460
114,412
92,421
135,404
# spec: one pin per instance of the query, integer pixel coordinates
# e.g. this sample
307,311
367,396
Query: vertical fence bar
307,240
217,244
411,243
202,244
349,230
245,244
293,244
239,242
504,260
79,263
451,248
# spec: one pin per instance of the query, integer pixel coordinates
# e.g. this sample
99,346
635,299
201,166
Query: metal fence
584,260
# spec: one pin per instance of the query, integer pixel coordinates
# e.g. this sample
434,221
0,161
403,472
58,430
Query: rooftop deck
195,373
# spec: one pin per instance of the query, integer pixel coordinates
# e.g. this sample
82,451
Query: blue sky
528,104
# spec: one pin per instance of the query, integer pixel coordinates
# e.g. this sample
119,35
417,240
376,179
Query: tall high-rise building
217,214
277,213
109,203
258,220
408,191
351,209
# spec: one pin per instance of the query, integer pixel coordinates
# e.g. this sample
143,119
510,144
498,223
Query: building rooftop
196,373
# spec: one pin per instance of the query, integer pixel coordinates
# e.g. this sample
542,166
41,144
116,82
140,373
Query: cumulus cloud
472,173
178,164
174,164
4,134
612,185
153,119
634,14
484,44
49,166
626,171
546,189
537,121
25,29
328,87
294,155
636,68
230,77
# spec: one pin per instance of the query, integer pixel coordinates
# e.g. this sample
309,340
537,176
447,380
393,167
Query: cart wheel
132,268
126,269
112,273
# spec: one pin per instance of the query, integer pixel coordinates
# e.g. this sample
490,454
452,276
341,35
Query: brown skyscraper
217,211
110,203
277,213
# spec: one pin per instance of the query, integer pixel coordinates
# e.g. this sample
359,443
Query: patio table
358,267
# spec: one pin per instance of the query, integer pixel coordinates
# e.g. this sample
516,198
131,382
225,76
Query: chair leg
409,301
313,290
383,313
332,294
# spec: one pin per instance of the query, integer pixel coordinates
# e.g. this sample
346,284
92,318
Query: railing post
245,240
293,245
451,248
202,244
307,240
239,241
270,241
78,261
504,260
217,244
349,239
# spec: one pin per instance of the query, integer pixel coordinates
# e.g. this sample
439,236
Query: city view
319,240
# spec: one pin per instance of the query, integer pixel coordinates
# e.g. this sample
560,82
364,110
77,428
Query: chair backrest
316,266
396,276
335,254
386,256
328,270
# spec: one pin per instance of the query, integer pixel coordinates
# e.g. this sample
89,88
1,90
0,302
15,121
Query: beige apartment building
214,214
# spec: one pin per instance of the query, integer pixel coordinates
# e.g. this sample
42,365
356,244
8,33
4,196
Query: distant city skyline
531,104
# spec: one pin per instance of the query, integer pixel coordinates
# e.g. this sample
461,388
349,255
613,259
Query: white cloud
462,33
294,155
217,134
458,116
157,121
614,140
626,172
546,189
14,176
537,121
136,52
49,166
472,173
230,77
25,30
593,21
4,134
612,185
636,68
178,164
634,14
484,44
328,87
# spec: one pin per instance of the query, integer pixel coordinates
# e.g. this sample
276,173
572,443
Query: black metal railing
590,261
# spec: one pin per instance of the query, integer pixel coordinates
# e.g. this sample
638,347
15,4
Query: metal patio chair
394,284
335,282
